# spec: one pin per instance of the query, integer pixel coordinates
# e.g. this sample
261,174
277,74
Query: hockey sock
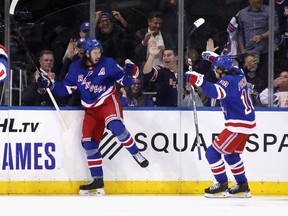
216,163
237,167
119,130
94,158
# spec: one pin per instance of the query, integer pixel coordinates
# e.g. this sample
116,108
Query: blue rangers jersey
233,93
166,85
95,83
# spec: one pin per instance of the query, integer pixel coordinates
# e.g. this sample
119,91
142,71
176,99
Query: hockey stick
55,103
192,28
195,25
195,114
11,12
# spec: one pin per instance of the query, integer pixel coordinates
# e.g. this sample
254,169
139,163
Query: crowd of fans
247,37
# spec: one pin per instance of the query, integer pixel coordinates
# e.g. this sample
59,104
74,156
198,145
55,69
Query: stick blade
199,22
13,6
195,25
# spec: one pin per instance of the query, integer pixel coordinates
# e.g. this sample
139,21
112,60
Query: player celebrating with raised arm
95,76
232,91
3,63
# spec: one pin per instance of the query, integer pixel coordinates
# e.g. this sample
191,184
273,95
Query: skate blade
96,192
217,195
241,195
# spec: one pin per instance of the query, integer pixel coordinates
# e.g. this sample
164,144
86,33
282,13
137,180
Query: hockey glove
44,81
209,56
131,69
195,78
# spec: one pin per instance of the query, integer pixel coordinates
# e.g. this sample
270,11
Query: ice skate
240,191
93,188
143,162
219,190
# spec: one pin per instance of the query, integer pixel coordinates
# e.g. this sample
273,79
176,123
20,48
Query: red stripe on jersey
234,124
107,94
154,77
222,94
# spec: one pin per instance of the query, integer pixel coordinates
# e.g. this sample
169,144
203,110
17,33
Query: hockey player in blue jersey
3,63
95,76
232,91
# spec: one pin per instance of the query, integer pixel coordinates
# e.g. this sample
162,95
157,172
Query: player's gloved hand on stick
209,56
44,81
131,69
195,78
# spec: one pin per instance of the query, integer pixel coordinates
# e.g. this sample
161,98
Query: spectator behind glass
194,55
71,50
283,42
76,48
75,52
280,97
165,76
169,9
284,4
252,72
84,29
115,35
153,34
254,32
33,95
231,46
133,95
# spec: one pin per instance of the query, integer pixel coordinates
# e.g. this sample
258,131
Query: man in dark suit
146,37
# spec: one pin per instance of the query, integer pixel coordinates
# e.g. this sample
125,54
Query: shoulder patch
102,71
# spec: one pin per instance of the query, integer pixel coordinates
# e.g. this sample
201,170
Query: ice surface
141,205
